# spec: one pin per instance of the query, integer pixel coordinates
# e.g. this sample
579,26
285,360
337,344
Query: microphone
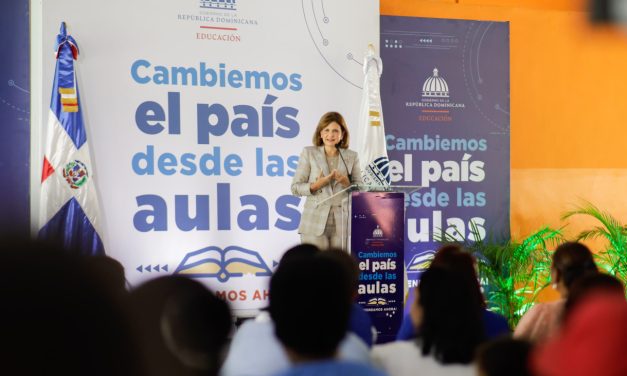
350,177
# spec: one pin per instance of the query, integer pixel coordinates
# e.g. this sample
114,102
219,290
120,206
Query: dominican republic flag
69,205
373,154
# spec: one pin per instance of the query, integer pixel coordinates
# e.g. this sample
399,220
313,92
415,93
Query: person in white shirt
255,349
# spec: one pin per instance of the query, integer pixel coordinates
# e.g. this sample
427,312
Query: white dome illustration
435,86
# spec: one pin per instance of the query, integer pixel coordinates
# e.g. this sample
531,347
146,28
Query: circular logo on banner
75,173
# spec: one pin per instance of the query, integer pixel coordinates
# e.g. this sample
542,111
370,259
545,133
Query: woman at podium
325,171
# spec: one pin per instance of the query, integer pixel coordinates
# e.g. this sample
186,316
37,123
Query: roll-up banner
446,101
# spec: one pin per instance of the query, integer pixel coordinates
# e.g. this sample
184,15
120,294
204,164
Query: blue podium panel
377,241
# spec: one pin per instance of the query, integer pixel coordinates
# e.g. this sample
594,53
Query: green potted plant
613,259
512,274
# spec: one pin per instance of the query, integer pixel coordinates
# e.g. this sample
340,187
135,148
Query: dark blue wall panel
14,117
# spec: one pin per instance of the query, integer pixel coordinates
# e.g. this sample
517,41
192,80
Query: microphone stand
347,190
350,176
350,180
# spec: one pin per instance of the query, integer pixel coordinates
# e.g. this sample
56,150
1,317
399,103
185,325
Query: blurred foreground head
310,300
613,12
60,315
504,356
183,326
591,285
592,342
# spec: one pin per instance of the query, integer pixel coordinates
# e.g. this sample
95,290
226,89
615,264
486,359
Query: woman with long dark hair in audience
453,257
571,261
451,328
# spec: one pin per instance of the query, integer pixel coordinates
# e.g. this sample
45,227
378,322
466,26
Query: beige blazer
312,161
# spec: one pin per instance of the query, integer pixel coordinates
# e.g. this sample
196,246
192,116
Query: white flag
375,165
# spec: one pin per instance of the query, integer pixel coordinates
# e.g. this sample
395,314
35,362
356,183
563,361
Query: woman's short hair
327,119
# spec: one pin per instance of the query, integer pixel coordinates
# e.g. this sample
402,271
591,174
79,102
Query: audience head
571,261
453,257
183,325
591,342
590,285
110,269
443,254
59,316
301,292
504,356
348,262
448,315
298,252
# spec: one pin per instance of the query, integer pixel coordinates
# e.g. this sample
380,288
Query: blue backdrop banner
445,93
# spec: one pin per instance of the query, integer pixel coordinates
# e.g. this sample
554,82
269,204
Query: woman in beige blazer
324,169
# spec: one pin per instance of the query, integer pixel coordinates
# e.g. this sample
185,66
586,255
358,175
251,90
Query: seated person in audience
183,326
571,261
451,328
60,315
504,356
111,270
592,341
453,257
592,284
359,322
255,350
310,306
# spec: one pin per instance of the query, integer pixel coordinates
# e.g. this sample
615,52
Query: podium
377,239
377,190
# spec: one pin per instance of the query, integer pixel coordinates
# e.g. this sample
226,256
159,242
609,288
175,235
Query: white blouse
404,358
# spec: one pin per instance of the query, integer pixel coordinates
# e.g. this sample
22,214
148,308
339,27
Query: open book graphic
377,301
232,261
420,262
